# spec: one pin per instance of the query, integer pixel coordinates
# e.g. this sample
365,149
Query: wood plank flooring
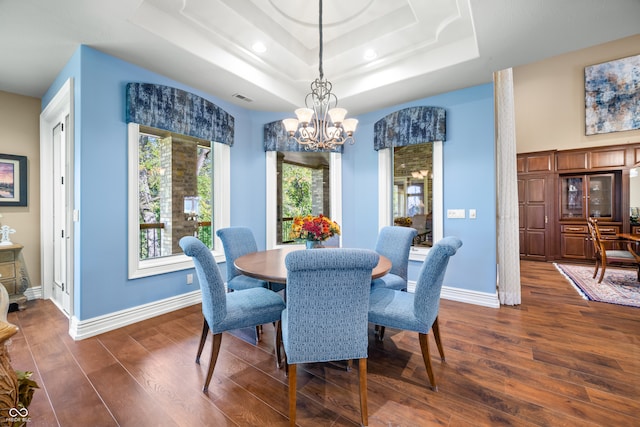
555,360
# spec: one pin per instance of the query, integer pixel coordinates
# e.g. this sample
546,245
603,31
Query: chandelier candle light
321,124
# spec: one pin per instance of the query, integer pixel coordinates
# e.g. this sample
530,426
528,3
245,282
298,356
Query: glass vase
313,244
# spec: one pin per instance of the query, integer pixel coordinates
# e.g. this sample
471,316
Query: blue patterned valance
276,138
410,126
178,111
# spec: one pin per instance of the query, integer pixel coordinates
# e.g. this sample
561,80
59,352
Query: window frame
385,192
335,189
221,212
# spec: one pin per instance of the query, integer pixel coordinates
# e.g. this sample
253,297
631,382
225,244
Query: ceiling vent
242,97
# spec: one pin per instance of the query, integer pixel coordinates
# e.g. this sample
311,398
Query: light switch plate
455,213
472,214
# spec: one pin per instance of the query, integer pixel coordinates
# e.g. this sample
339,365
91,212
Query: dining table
269,265
629,236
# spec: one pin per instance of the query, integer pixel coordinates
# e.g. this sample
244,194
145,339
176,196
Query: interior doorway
57,215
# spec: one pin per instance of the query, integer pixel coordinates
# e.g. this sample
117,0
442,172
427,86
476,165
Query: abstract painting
612,96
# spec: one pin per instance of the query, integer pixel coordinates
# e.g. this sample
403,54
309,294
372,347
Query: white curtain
507,182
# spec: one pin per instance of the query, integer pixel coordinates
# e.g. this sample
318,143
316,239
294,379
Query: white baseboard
34,292
465,295
81,329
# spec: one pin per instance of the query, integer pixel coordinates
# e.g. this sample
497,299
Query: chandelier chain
321,43
321,125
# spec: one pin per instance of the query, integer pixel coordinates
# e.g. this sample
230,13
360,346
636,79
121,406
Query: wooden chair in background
605,256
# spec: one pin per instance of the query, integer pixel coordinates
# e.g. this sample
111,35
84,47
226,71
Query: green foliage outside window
296,190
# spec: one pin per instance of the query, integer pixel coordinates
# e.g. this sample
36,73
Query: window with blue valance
178,111
276,138
414,125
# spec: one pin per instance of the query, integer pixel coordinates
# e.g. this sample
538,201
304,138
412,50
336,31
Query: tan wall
20,124
549,100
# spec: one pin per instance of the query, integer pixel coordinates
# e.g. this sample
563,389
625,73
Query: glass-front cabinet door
585,196
572,197
600,200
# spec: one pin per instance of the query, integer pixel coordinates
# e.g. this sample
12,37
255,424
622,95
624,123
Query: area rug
619,286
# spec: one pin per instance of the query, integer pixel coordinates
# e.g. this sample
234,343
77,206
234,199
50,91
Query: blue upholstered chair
416,311
394,242
238,241
326,315
226,311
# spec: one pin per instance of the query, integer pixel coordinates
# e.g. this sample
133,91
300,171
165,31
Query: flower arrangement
403,221
315,228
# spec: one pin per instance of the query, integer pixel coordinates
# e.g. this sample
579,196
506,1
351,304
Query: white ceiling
424,47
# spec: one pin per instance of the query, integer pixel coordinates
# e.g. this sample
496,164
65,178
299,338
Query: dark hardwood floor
556,360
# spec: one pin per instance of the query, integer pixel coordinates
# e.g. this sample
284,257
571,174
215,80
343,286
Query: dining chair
417,312
225,311
326,315
238,241
394,242
606,256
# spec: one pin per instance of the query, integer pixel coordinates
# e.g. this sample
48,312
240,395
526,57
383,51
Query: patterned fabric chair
416,311
238,241
326,315
395,243
226,311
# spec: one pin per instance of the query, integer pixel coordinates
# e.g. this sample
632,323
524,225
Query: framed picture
13,180
612,96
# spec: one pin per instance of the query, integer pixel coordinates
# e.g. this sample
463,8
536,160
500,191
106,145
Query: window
413,190
410,186
318,178
303,188
173,180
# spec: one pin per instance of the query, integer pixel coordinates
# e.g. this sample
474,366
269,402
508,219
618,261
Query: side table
13,274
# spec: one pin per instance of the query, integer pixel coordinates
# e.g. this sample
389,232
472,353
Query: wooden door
535,200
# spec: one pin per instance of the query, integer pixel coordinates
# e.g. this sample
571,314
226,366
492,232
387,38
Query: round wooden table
269,265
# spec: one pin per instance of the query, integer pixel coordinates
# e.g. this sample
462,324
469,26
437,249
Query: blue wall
101,284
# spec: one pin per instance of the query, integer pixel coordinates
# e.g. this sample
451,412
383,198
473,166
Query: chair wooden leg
203,338
436,334
380,334
424,346
595,272
292,394
349,365
604,267
278,343
215,349
362,367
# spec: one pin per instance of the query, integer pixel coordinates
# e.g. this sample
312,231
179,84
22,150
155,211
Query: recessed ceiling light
259,47
370,54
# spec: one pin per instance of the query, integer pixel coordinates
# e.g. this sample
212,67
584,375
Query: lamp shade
337,115
349,126
291,125
304,115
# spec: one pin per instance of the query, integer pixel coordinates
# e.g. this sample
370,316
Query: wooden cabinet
536,184
559,189
13,274
583,196
588,195
576,243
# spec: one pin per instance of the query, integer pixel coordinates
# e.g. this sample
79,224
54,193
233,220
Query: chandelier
320,124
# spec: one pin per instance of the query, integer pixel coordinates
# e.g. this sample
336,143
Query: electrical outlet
189,279
456,213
